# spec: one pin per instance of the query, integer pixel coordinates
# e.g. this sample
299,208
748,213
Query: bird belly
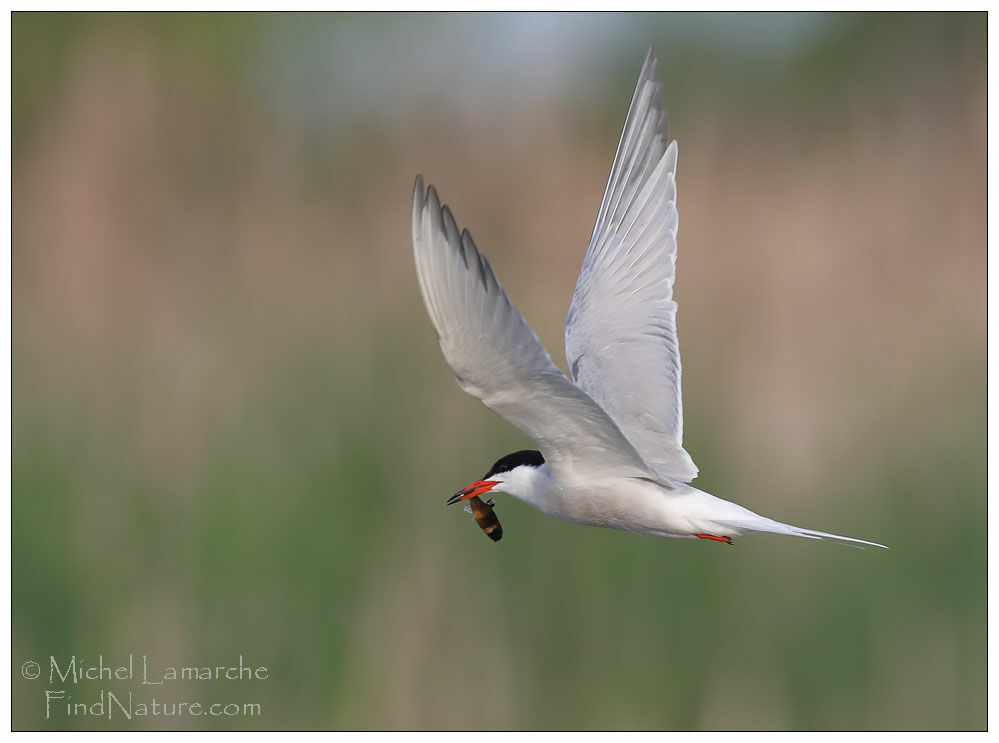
635,505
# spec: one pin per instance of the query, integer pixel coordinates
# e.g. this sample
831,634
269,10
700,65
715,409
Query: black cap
518,458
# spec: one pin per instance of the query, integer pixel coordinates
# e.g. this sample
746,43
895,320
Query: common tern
610,438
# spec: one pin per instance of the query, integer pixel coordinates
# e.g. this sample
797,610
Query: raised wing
620,335
496,356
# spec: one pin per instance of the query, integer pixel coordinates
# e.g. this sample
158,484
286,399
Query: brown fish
482,510
486,517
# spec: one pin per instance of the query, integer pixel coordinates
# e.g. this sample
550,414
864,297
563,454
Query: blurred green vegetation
234,433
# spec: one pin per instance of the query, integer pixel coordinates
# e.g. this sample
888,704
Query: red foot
726,540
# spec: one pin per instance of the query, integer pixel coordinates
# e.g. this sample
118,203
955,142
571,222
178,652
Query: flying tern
610,438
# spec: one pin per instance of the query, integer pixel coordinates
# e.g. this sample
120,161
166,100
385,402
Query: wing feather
620,334
496,356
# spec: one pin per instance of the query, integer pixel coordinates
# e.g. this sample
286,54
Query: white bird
611,438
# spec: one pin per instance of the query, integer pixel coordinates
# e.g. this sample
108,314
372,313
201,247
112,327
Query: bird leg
726,540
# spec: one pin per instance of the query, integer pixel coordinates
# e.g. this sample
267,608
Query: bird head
508,475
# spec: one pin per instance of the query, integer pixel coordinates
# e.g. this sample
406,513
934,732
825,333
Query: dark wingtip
418,198
651,61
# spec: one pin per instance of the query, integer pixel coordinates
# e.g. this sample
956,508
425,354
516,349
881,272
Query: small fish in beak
485,516
483,511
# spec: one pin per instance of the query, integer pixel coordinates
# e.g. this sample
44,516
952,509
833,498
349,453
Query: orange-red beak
479,487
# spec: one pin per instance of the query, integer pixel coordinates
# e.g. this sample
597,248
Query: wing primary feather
622,319
451,233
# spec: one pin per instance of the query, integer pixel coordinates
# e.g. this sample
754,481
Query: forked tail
714,518
812,534
776,527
